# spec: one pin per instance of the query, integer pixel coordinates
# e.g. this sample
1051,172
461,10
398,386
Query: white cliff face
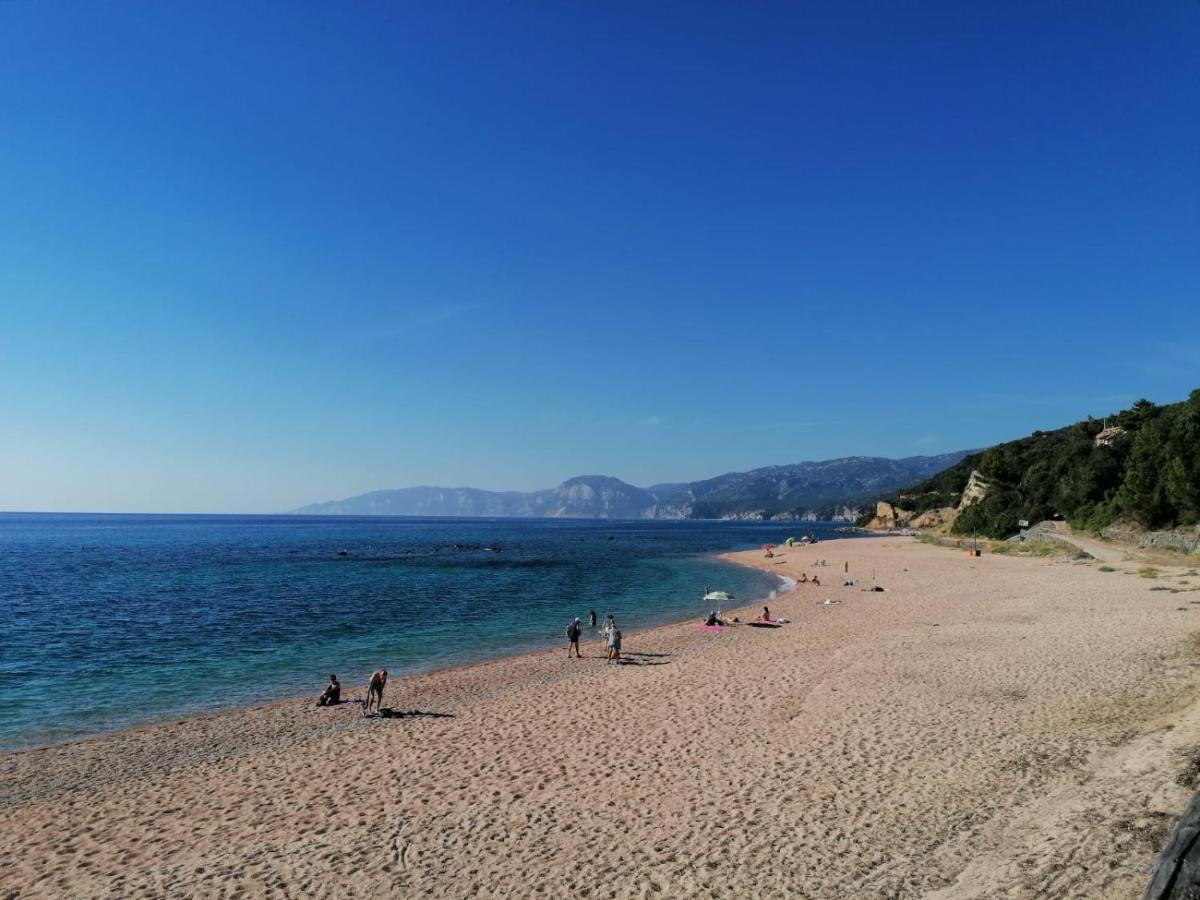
975,491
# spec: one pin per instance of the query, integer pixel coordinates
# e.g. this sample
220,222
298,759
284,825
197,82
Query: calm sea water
109,621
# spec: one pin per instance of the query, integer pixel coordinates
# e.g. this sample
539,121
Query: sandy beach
994,727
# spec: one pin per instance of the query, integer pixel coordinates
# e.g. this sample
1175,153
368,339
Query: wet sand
992,727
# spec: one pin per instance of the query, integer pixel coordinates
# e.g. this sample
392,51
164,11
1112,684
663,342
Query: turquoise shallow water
110,621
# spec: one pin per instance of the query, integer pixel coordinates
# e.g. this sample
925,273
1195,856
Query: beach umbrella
719,597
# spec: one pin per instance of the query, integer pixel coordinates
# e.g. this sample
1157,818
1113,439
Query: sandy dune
993,727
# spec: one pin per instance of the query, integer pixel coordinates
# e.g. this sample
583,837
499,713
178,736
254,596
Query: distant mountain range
835,489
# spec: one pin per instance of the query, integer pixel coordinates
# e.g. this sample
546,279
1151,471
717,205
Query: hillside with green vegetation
1141,465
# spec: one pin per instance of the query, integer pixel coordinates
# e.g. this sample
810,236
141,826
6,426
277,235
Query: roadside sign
1024,523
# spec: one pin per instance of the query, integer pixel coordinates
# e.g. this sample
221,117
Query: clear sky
255,255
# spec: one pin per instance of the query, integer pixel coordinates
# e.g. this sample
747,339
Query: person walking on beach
573,632
375,691
609,626
614,644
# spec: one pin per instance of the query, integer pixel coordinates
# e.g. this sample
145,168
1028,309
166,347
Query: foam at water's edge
786,584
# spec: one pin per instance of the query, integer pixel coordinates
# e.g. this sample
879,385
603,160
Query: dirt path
1101,550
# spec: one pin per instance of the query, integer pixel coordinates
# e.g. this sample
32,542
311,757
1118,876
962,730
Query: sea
109,621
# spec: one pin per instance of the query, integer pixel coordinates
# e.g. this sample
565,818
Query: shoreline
994,726
356,691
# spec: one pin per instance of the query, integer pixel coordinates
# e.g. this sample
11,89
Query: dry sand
993,727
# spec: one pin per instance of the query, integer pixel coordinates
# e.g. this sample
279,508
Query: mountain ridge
834,489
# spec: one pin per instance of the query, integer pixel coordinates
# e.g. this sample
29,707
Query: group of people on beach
714,620
332,695
612,636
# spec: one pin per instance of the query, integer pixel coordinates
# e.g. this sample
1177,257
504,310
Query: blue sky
258,255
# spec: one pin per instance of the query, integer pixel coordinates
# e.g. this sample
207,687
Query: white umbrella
719,597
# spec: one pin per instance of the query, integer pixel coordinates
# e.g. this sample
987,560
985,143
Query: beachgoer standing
592,619
573,632
614,645
375,691
333,693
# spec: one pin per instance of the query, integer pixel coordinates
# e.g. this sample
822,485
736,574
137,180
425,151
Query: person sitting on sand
803,578
713,620
766,616
375,691
614,645
332,695
816,581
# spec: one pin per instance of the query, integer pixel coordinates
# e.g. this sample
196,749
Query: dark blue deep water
108,621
